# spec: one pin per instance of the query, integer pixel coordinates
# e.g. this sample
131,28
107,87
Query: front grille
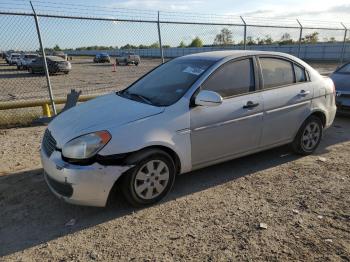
49,143
63,189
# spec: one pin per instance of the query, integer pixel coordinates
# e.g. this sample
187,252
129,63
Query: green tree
197,42
182,44
56,48
154,45
250,41
332,39
311,38
224,37
286,39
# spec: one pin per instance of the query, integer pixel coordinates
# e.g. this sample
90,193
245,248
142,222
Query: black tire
129,181
307,146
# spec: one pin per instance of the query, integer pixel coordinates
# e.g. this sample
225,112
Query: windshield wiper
138,96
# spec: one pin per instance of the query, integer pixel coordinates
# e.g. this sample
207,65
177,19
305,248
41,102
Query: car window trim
286,59
250,57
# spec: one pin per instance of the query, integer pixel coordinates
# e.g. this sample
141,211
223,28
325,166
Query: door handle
304,93
250,104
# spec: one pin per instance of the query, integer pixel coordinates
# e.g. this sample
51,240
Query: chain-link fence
80,34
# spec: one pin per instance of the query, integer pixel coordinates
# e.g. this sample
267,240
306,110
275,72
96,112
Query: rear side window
300,75
232,78
276,72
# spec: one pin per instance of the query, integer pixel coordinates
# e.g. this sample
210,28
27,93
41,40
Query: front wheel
150,180
309,136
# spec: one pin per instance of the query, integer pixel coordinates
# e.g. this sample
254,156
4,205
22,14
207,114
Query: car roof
218,55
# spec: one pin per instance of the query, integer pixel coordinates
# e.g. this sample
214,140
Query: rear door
287,95
234,127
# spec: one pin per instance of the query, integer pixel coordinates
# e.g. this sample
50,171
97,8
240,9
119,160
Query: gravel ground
213,214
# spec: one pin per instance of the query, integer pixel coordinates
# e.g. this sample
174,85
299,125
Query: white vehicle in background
191,112
13,58
25,60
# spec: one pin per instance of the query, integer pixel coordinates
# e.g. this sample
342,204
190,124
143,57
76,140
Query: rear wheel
150,180
309,136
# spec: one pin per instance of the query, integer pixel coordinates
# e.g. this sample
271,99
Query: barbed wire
95,11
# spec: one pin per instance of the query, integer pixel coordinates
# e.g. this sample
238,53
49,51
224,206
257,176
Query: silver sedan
189,113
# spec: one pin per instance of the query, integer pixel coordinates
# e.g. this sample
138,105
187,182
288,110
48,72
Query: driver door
222,132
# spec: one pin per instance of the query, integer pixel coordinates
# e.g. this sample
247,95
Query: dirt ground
211,214
89,77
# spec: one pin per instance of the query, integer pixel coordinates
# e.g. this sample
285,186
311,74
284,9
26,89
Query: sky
75,33
335,10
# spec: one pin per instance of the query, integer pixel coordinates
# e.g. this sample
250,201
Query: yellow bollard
46,110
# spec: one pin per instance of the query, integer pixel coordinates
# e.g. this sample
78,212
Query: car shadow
31,215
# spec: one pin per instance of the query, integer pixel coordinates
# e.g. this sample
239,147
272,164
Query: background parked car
12,60
55,65
60,54
127,58
24,60
341,79
7,56
102,58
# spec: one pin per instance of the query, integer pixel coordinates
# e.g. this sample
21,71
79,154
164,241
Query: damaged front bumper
82,185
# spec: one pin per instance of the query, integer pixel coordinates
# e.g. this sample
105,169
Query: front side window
232,78
167,83
276,72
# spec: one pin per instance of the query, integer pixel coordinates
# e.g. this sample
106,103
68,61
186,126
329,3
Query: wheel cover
311,136
151,179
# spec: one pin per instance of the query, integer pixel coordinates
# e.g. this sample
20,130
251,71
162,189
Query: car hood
341,81
100,113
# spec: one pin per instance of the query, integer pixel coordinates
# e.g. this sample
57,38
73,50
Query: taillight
333,85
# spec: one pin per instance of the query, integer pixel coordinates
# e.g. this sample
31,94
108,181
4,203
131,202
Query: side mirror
208,98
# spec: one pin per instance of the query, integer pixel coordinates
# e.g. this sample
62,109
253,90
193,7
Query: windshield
30,56
55,58
167,83
344,69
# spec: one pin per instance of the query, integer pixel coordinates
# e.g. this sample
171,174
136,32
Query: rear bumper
81,185
330,116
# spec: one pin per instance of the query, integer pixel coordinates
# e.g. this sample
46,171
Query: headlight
86,146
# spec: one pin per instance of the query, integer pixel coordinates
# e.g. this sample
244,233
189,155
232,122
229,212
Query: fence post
344,44
160,41
44,60
300,37
245,34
